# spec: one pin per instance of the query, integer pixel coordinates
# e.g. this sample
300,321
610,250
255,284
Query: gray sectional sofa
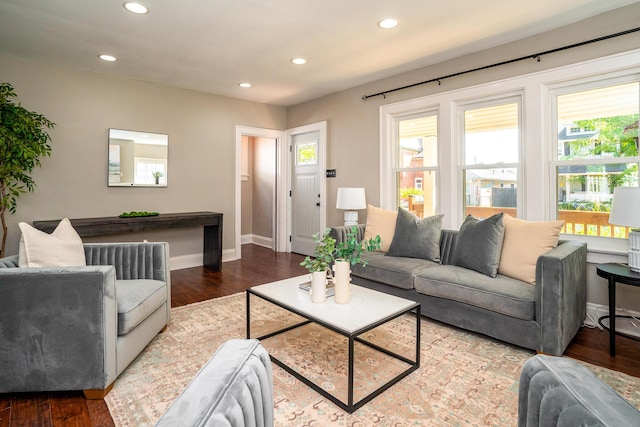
544,317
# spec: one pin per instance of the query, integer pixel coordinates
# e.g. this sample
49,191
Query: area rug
464,378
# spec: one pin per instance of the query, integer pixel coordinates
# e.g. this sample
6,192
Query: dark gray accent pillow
479,244
416,238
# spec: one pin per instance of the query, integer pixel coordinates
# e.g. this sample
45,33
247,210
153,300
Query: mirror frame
129,151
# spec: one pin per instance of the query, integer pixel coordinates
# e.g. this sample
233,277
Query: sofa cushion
416,238
380,222
479,244
501,294
62,248
136,300
394,271
524,242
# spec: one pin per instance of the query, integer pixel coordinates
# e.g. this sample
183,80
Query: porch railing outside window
597,151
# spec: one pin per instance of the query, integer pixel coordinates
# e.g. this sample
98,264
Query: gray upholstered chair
78,328
558,391
233,389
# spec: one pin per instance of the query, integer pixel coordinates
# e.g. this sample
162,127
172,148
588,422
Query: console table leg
212,254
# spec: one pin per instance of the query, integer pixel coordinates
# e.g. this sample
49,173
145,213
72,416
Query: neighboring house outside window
417,162
491,145
597,151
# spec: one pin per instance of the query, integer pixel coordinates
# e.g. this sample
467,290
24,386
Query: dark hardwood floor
258,265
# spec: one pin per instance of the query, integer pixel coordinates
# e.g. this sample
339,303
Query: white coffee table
367,309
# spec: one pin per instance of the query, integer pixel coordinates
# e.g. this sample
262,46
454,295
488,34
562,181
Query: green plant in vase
322,254
350,249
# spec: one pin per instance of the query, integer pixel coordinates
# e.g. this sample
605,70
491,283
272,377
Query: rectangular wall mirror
137,159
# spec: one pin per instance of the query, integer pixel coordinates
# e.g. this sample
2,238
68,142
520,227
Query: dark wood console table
211,221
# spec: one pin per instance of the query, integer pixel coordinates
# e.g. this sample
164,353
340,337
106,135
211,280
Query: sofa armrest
58,328
557,391
234,388
561,295
340,232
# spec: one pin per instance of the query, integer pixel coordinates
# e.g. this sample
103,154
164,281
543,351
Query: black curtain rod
535,56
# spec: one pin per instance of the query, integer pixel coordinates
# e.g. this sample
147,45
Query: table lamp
351,199
625,211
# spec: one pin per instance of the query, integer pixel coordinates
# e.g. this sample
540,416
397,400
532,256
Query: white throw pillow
62,248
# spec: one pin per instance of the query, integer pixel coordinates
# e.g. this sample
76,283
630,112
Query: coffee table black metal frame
615,273
350,406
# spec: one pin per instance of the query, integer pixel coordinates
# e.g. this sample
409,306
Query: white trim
595,311
195,260
266,242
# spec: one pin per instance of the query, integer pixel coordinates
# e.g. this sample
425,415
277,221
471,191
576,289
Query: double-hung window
596,135
491,134
416,162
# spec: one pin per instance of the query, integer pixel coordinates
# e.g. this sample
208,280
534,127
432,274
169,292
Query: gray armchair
78,328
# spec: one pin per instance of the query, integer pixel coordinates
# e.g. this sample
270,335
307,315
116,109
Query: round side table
615,273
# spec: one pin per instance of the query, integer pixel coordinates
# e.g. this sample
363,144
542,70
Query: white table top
365,307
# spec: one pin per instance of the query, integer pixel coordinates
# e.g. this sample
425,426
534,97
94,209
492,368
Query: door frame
278,213
287,159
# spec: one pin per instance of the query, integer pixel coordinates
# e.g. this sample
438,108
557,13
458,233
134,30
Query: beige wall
258,190
264,182
73,181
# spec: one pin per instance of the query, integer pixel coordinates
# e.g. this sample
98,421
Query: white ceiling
213,45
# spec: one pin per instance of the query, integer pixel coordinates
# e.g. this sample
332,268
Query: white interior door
307,195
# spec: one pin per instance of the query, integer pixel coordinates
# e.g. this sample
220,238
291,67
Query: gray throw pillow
416,238
479,244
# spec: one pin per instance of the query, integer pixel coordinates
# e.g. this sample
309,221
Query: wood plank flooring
258,265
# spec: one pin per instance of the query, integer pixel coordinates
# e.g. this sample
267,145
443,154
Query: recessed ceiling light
299,61
134,7
388,23
245,85
108,58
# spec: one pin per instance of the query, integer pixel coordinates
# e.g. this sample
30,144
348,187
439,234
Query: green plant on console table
350,249
322,254
134,214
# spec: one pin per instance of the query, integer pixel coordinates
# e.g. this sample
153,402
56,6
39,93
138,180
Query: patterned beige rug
464,378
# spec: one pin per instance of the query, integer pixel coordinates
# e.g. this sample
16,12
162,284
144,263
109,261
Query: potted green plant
23,140
318,265
350,249
322,254
156,175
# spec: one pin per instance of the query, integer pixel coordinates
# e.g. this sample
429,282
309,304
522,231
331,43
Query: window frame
490,101
537,151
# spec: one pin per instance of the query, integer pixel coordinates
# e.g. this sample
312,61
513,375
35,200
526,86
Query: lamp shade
351,198
625,208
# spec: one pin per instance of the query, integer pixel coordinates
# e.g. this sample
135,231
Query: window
597,140
150,171
491,144
307,154
415,169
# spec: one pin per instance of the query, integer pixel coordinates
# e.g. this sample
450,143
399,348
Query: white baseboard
626,326
195,260
267,242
